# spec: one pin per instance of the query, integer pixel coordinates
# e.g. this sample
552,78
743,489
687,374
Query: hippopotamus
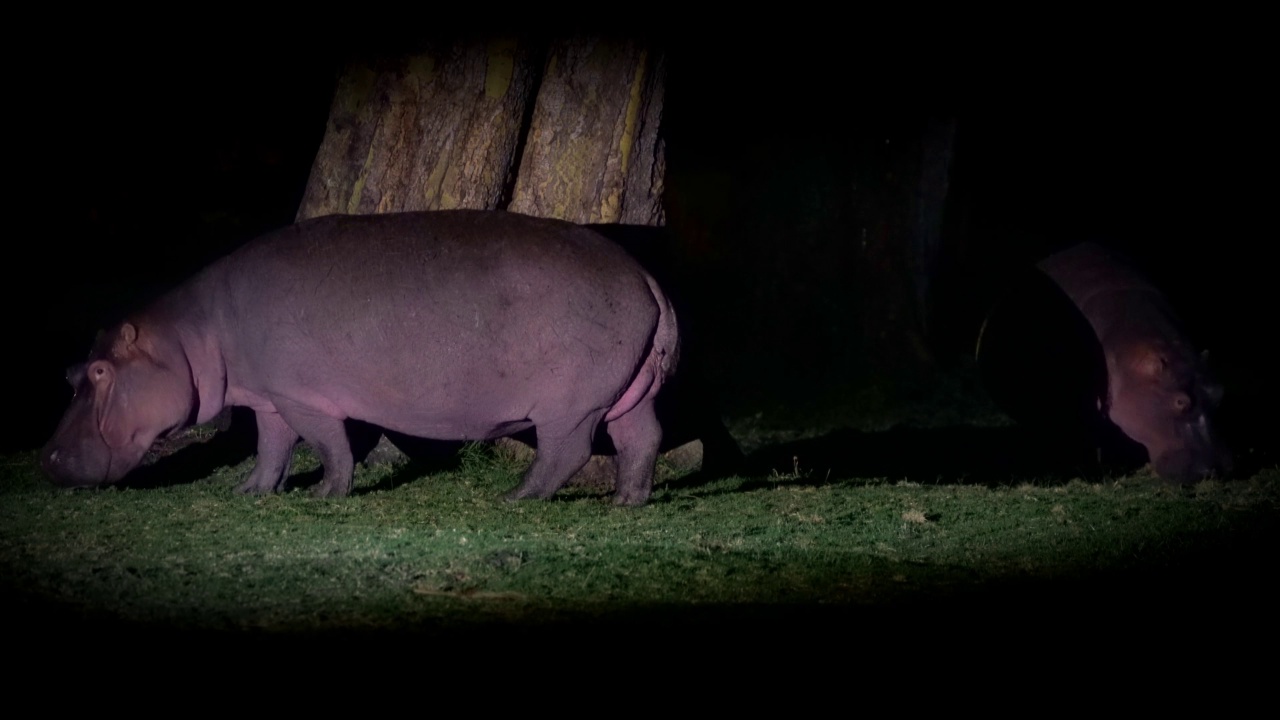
1102,347
452,325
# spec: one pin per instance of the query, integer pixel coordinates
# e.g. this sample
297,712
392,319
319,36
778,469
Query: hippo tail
666,338
660,364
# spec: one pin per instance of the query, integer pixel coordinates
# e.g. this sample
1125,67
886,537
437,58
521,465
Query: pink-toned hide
455,325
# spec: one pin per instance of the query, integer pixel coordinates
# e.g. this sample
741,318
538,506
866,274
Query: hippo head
133,388
1164,399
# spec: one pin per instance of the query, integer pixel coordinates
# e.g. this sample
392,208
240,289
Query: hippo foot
630,499
331,490
254,487
522,493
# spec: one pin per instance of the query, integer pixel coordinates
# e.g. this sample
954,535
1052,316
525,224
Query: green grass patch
444,552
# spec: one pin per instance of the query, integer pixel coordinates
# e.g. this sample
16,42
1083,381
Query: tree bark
593,153
435,130
457,126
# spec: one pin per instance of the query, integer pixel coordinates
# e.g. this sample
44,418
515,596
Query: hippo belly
452,325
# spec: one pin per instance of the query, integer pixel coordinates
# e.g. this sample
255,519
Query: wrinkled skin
1158,391
455,325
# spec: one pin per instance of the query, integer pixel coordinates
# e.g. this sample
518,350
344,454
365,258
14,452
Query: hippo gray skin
1157,390
454,325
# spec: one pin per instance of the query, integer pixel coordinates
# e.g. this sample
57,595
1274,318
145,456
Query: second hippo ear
1148,362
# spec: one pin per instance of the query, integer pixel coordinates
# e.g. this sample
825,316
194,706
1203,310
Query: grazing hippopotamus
1102,346
454,325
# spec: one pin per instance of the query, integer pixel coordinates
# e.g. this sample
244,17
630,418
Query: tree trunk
593,154
899,201
927,204
454,127
436,130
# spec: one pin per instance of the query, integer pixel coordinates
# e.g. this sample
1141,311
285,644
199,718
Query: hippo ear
102,375
123,347
1149,363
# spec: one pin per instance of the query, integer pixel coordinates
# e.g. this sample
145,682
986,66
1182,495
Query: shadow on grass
198,455
992,456
191,457
425,457
988,456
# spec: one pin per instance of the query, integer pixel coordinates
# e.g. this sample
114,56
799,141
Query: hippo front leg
328,437
275,450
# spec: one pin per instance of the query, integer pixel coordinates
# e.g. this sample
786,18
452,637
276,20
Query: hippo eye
1181,402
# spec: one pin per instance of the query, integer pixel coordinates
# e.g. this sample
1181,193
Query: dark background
147,149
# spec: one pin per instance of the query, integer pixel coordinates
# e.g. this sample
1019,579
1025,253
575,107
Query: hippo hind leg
636,436
328,437
563,448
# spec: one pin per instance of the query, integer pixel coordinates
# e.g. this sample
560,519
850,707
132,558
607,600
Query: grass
443,553
835,535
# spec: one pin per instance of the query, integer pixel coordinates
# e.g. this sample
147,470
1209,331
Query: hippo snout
54,464
68,468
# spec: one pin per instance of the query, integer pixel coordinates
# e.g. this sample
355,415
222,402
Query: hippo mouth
66,470
1184,466
79,467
